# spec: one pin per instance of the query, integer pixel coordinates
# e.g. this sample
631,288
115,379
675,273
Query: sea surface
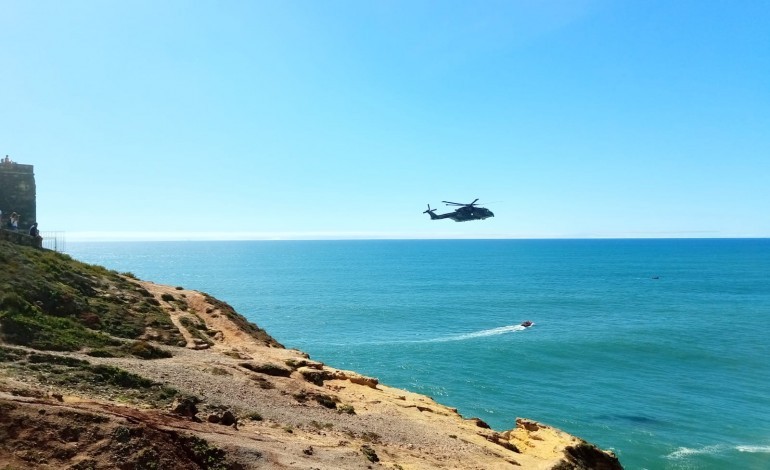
656,349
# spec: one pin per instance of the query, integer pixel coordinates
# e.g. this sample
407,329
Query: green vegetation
140,349
196,327
204,454
267,368
326,401
319,426
253,330
121,434
51,302
24,324
179,303
79,375
138,447
370,454
145,350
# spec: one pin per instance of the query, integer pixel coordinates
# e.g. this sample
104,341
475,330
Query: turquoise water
656,349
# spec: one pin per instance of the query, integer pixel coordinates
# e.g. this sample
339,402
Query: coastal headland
100,370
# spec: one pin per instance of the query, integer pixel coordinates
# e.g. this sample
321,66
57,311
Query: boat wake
754,449
477,334
685,452
502,330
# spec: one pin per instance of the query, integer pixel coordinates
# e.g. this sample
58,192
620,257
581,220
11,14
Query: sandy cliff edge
289,411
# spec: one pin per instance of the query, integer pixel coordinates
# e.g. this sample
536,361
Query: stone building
17,192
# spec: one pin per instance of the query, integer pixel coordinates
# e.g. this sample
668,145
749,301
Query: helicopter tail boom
431,212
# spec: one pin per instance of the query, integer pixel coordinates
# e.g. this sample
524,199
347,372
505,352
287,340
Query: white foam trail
683,452
461,337
754,449
478,334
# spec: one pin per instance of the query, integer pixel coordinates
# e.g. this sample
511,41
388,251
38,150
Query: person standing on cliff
33,231
14,222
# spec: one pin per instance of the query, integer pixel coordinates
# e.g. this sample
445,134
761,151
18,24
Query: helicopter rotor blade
450,203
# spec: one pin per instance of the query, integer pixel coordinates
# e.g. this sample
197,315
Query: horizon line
102,236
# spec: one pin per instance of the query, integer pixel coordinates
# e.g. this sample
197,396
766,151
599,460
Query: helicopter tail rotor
431,212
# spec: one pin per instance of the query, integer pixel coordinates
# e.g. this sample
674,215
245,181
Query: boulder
185,406
315,376
228,418
267,369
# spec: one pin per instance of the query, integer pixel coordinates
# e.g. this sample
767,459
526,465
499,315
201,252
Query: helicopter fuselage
464,214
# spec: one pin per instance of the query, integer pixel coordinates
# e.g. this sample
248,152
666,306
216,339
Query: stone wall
21,238
18,193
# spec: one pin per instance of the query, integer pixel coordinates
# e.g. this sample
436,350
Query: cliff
102,370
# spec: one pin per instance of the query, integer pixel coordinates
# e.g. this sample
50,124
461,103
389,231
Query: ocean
655,349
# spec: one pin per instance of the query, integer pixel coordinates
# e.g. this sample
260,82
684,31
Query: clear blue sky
275,119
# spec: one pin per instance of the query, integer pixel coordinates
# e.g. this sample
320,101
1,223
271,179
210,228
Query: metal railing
55,241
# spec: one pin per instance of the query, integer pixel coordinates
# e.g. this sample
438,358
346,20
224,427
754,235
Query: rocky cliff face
101,370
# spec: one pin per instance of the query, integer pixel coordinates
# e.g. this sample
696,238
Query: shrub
120,377
101,353
28,328
326,401
91,320
267,369
370,454
144,350
204,454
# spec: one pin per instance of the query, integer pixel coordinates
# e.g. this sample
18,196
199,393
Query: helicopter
463,213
